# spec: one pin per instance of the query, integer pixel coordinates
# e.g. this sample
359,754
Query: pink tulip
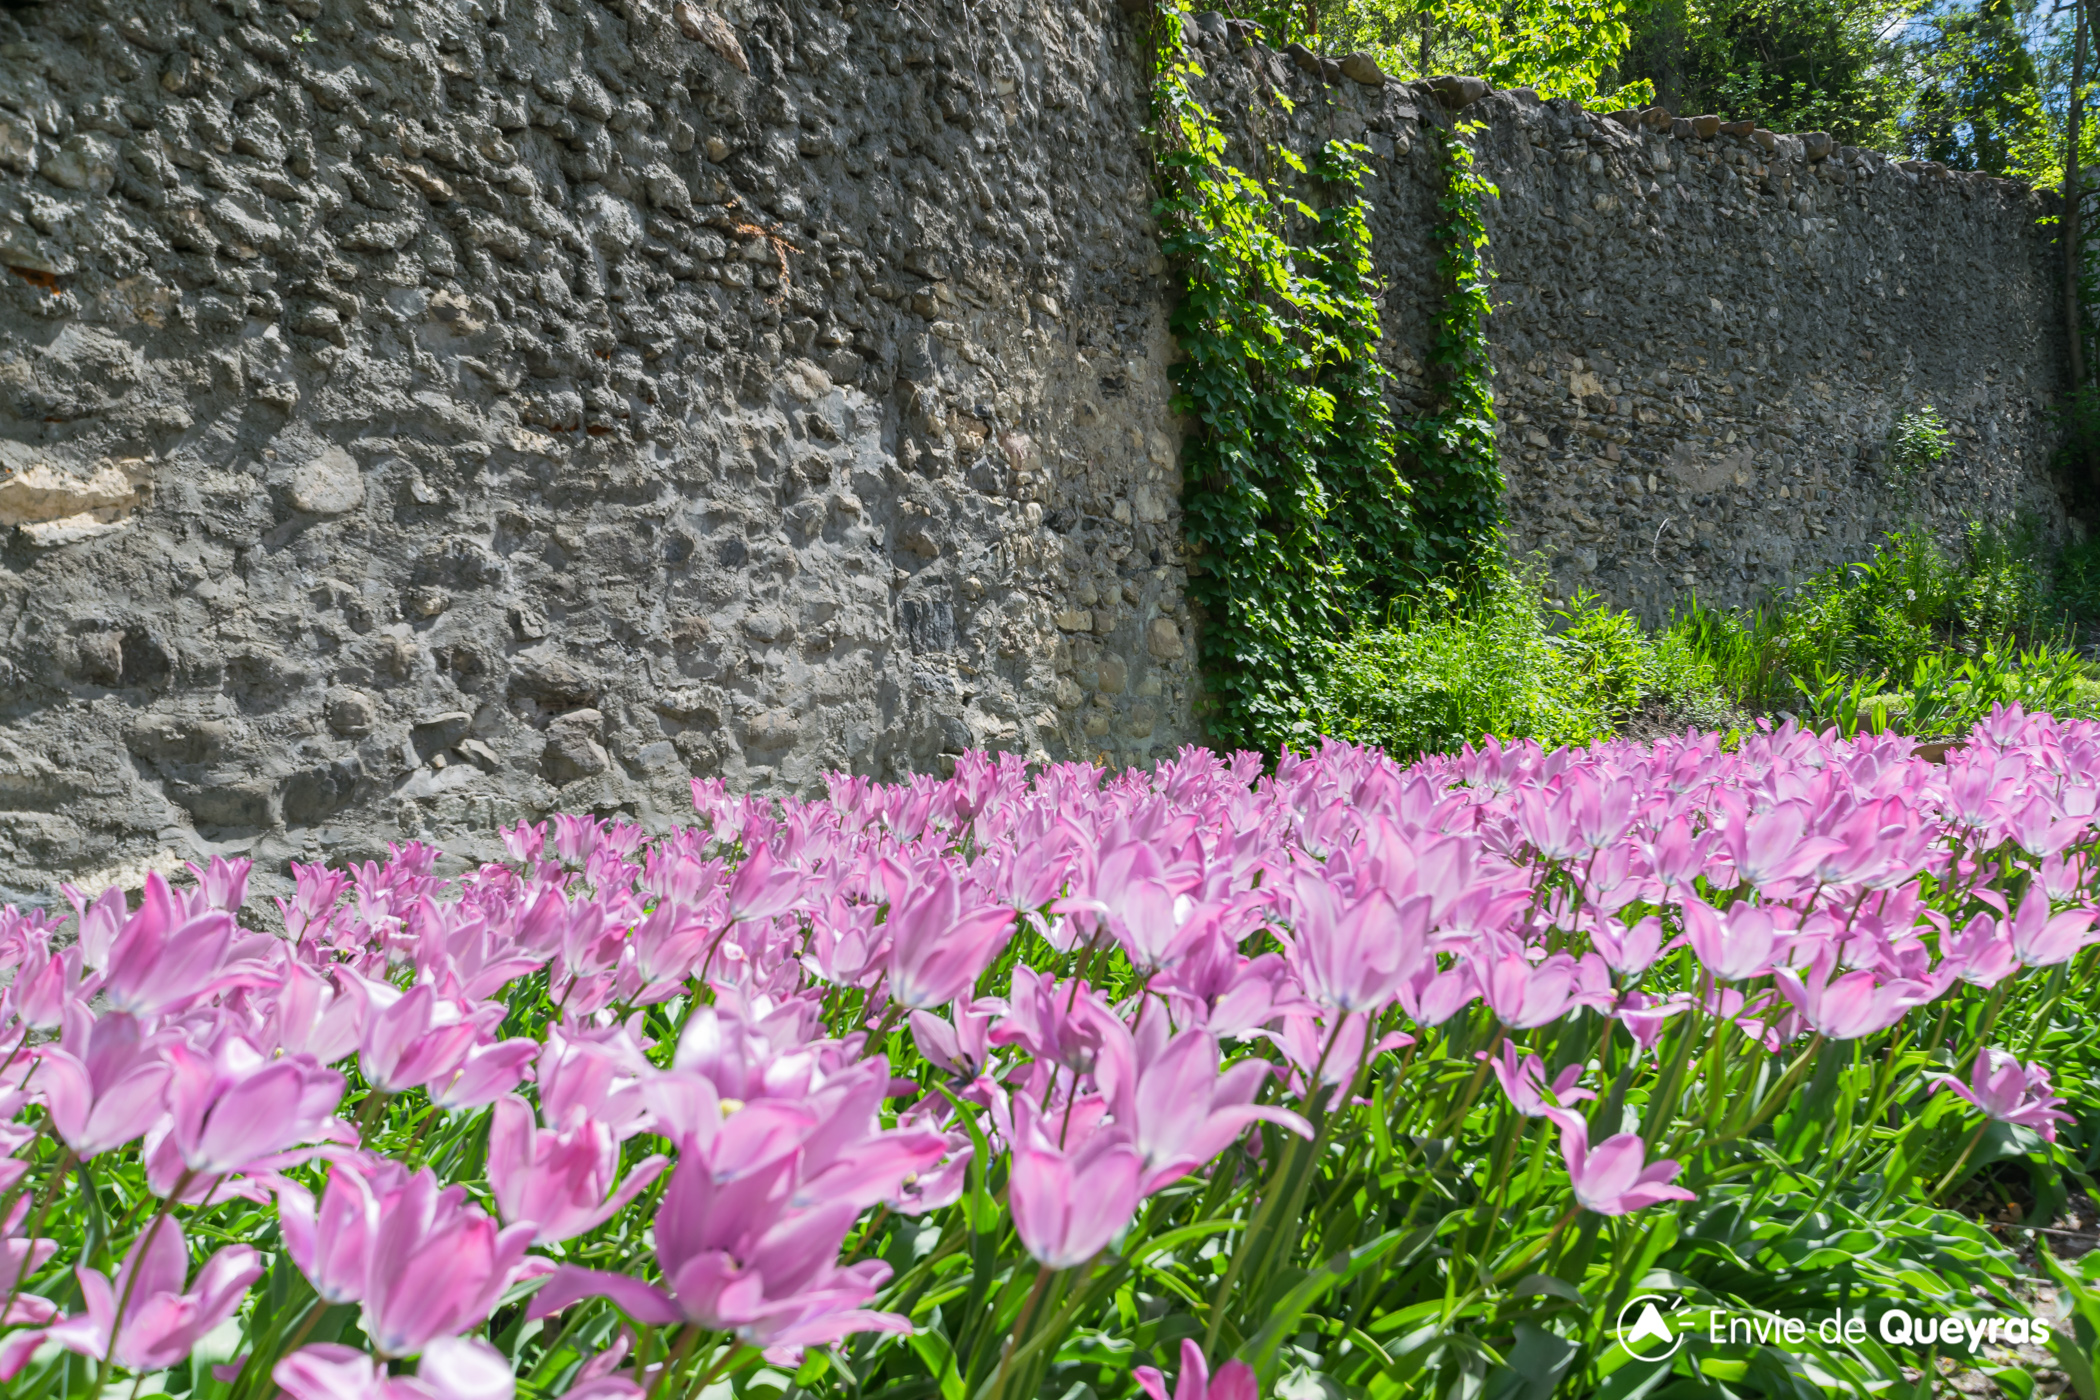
562,1183
1772,849
485,1075
331,1241
938,946
437,1267
596,1075
162,961
452,1368
1356,956
1524,1081
313,1016
1734,947
236,1108
2043,940
2007,1092
104,1083
1523,995
411,1039
1611,1179
1847,1006
1983,952
762,887
162,1321
224,883
960,1046
1181,1110
741,1245
424,1263
1235,1380
1066,1208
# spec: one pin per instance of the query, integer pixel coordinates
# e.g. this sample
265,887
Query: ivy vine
1296,514
1460,473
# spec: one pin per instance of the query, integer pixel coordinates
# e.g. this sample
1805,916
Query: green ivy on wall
1460,475
1295,512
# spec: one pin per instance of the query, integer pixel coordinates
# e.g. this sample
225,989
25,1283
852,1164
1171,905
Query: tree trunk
2073,197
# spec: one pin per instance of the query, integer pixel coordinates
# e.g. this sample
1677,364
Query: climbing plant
1295,508
1459,475
1291,494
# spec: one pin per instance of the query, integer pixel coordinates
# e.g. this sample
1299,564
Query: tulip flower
162,1320
1733,947
960,1046
1523,995
740,1245
2041,939
562,1183
1847,1006
1611,1179
486,1074
1524,1081
1182,1111
2006,1091
436,1267
1355,957
939,946
331,1240
160,961
1234,1380
1066,1208
452,1368
410,1038
235,1108
104,1083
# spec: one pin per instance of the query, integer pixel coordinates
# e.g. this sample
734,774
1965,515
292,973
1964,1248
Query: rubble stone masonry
419,417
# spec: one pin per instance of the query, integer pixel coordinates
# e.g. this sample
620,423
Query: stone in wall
419,416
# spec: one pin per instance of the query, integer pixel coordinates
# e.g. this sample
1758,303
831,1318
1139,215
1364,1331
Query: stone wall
418,417
428,415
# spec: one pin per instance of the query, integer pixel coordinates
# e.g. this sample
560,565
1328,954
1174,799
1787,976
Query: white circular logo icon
1644,1328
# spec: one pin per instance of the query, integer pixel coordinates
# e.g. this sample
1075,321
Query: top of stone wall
1357,78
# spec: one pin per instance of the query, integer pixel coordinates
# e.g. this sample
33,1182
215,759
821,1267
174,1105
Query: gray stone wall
417,417
427,415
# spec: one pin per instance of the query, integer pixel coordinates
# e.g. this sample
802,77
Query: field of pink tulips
1346,1079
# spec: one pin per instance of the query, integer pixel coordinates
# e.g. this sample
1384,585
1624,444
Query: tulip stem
137,1256
1013,1339
674,1362
59,1169
374,1099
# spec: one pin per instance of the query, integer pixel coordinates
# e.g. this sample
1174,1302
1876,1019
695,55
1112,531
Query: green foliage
1914,639
2077,462
1563,48
1793,65
1256,328
1917,440
1462,663
1459,474
1884,618
1976,94
1459,663
1295,509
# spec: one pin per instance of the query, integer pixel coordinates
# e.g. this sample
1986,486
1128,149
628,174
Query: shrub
1481,661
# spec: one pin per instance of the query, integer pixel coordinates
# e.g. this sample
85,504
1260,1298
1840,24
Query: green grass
1918,638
